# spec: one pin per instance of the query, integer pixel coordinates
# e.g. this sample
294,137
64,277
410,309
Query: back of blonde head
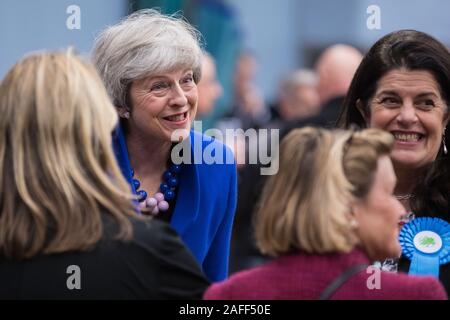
57,168
306,205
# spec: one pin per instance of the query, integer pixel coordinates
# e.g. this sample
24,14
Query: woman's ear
123,112
355,214
364,112
446,117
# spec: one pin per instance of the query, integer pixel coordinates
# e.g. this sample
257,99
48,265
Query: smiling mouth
407,137
177,118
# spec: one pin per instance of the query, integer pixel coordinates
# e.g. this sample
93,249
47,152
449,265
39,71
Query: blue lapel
188,201
121,152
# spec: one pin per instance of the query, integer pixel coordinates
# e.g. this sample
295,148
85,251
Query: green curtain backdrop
222,37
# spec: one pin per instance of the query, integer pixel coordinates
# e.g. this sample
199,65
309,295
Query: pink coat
305,276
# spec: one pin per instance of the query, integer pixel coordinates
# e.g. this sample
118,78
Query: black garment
155,264
326,118
243,253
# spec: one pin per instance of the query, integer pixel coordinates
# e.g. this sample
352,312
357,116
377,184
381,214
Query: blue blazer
206,202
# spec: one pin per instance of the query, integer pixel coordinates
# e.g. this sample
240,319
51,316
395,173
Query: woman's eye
188,79
389,101
428,103
159,86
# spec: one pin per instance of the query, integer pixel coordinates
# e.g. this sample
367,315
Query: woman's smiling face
163,103
409,105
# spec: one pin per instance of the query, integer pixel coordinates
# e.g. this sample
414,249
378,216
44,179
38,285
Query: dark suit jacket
155,264
305,276
325,119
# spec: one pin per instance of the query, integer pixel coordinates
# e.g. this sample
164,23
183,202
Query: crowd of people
99,169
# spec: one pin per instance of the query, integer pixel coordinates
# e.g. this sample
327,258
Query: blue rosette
426,242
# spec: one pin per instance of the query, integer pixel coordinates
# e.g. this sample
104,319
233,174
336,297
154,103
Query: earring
354,224
443,142
126,115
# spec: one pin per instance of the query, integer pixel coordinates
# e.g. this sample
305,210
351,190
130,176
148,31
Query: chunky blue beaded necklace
160,201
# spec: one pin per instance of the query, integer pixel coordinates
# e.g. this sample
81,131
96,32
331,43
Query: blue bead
169,195
142,195
167,175
136,184
164,187
132,173
173,182
175,168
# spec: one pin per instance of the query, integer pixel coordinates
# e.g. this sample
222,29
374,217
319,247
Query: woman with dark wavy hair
403,87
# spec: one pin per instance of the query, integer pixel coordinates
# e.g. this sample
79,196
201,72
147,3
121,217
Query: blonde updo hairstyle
306,205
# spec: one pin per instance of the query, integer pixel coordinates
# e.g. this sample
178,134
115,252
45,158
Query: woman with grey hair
150,64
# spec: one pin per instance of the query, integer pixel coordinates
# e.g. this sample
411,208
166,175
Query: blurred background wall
30,25
283,34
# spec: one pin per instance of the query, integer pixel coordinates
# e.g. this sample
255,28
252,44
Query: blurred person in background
298,97
248,109
249,103
151,64
64,202
209,88
325,217
335,68
403,87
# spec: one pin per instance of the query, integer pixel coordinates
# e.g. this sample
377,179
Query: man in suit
335,68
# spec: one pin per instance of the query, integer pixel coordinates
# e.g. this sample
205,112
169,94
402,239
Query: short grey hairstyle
143,44
300,77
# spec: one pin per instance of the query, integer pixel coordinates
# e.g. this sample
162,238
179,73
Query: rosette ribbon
426,242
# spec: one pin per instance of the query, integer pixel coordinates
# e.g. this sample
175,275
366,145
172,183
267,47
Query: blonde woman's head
57,169
323,175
